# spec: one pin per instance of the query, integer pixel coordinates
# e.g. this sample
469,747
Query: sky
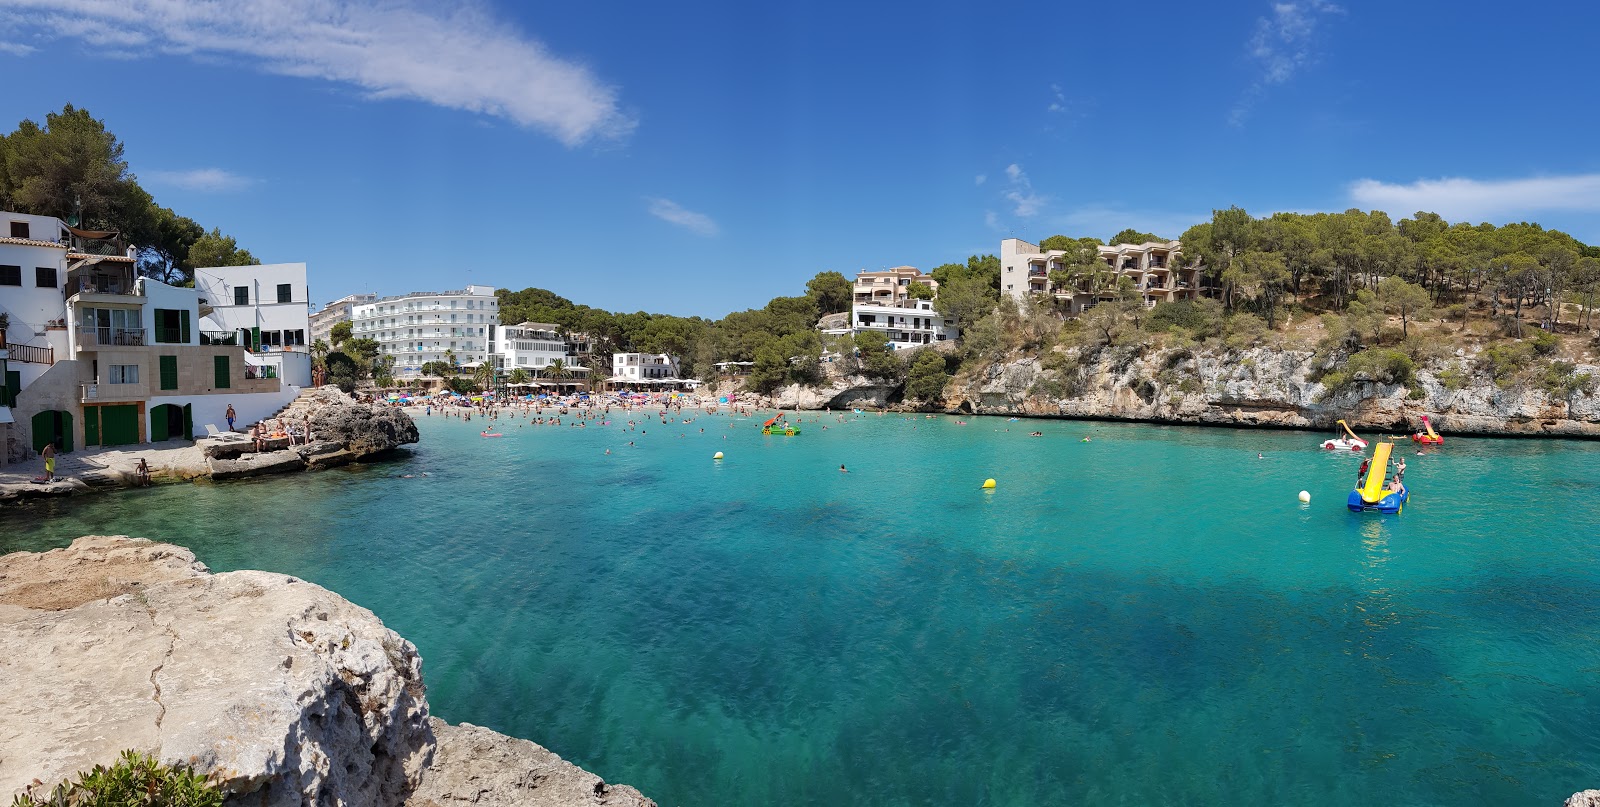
701,158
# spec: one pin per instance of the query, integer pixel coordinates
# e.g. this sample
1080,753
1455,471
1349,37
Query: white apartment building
333,313
534,346
913,323
883,302
1156,269
644,368
420,327
94,356
265,309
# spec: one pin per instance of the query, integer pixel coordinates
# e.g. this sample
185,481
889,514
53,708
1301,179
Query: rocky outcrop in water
278,690
363,429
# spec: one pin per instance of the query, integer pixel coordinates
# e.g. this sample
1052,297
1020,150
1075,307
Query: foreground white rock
279,690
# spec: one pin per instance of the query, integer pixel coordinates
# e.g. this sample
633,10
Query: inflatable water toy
786,429
1427,436
486,434
1348,442
1372,495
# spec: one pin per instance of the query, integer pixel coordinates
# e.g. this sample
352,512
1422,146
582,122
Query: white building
882,302
333,313
94,356
644,368
536,347
420,327
264,308
1155,268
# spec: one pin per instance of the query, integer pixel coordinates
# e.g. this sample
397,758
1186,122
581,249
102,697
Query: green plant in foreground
136,780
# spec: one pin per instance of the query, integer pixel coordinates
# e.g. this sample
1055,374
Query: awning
5,415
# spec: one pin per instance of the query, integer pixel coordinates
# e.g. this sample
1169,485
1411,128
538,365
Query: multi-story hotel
536,347
882,301
1155,268
424,326
92,355
333,313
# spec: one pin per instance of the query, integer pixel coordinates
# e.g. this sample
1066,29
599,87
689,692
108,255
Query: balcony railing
226,338
1037,272
33,354
110,337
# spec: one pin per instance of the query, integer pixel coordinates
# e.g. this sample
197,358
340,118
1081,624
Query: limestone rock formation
474,765
361,428
280,691
1584,798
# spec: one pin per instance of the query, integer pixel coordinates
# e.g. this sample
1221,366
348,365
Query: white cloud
674,213
1058,102
454,57
980,179
1461,199
16,48
1024,202
201,179
992,220
1281,44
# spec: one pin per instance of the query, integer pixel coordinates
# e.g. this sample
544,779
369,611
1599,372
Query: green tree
484,375
518,376
965,299
341,332
832,292
319,352
770,371
1132,236
216,249
72,164
876,356
926,378
1408,300
383,371
920,291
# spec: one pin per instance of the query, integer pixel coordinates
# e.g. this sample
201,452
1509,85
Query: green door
158,423
52,426
119,425
13,381
91,425
169,372
188,422
222,373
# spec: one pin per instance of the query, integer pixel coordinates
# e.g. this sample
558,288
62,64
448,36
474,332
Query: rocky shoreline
279,691
1238,388
343,429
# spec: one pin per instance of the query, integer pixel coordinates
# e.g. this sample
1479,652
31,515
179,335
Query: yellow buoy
717,456
988,484
1305,496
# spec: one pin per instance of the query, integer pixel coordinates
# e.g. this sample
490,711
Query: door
188,421
119,424
158,423
91,425
52,426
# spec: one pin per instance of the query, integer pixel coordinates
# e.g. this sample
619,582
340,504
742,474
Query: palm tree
450,358
519,376
484,375
557,369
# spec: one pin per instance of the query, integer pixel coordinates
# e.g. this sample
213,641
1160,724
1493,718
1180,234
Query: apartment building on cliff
1155,268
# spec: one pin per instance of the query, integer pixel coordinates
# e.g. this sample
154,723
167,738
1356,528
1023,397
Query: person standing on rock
49,454
230,416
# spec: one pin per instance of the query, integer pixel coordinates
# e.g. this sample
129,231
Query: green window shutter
184,322
169,372
222,373
13,386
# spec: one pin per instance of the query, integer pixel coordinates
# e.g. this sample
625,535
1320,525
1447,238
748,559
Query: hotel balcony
114,393
1037,271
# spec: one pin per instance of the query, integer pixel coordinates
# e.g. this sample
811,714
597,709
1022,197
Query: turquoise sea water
1150,617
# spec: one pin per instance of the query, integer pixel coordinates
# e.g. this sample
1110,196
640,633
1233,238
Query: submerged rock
278,690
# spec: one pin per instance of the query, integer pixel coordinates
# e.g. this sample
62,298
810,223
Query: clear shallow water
1150,616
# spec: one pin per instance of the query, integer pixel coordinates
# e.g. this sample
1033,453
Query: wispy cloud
1281,45
674,213
16,48
1024,202
455,57
980,179
1462,199
1058,99
210,180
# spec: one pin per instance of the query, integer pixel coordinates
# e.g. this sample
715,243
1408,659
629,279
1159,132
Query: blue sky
704,157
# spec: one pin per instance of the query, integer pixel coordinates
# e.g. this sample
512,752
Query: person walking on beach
230,416
49,454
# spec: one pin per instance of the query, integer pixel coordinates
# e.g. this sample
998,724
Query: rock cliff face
1256,387
280,691
360,428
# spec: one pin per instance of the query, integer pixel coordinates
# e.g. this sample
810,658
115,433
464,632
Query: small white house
644,367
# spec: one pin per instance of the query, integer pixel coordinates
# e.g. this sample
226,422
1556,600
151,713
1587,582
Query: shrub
1243,331
926,379
1383,365
1048,387
1453,378
1545,343
1562,380
135,781
1504,361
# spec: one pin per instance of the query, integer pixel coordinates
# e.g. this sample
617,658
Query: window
123,374
10,275
241,295
169,372
172,326
44,277
283,293
222,379
19,229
